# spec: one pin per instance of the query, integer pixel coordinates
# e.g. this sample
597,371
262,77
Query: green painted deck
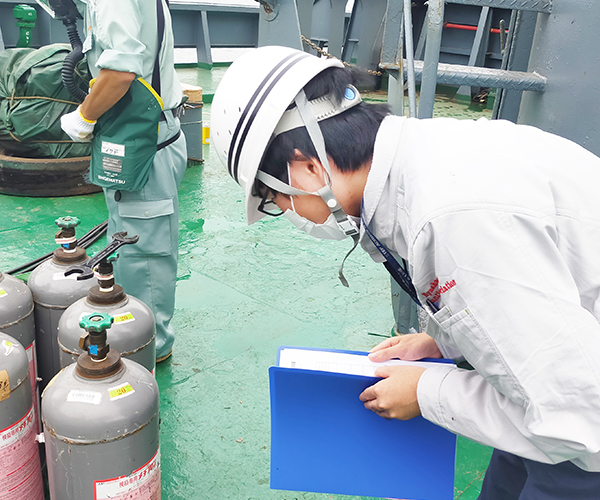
242,292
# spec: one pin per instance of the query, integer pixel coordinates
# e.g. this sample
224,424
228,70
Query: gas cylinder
16,320
101,424
53,292
20,470
133,333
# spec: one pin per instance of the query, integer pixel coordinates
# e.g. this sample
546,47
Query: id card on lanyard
399,273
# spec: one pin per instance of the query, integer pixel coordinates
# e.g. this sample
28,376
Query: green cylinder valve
96,322
67,222
94,339
66,236
26,16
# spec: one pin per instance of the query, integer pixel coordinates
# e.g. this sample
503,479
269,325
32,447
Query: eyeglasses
268,206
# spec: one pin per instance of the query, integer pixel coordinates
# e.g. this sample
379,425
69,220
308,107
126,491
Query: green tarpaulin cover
32,100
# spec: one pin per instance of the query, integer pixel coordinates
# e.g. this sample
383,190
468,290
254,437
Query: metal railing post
435,20
392,50
480,43
410,59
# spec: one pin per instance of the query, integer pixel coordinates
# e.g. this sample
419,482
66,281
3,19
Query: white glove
77,127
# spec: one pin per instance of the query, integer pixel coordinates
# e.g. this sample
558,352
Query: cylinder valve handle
94,341
66,236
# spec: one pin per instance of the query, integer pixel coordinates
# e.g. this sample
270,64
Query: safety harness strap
160,16
168,142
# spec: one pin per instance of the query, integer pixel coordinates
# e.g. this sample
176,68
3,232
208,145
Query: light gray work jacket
123,36
500,224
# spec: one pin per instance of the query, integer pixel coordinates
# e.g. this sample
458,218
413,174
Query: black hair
349,137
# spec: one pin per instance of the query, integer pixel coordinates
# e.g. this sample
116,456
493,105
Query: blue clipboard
324,440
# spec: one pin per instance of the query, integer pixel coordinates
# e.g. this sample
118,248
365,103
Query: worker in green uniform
138,151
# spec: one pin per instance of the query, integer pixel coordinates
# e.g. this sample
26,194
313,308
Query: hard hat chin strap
322,108
345,223
314,131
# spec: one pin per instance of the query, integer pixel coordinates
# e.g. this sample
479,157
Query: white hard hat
249,103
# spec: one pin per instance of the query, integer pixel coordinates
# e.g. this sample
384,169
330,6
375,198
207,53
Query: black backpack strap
160,16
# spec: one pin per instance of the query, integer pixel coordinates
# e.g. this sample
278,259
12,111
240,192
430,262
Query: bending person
502,254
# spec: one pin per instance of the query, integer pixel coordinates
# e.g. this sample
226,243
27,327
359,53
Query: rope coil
14,98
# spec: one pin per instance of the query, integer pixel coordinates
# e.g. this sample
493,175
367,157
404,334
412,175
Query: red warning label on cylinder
20,471
142,484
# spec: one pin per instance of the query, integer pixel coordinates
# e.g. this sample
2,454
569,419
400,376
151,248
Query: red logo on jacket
435,291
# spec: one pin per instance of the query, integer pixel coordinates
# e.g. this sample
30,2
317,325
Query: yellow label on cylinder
120,391
122,318
4,385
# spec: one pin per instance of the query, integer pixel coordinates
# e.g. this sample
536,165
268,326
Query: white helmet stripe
238,138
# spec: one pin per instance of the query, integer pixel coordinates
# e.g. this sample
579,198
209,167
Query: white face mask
329,230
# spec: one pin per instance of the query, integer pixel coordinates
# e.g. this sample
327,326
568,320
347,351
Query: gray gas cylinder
20,471
53,293
16,320
133,333
101,425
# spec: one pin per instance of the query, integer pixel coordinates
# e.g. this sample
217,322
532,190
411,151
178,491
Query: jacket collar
383,183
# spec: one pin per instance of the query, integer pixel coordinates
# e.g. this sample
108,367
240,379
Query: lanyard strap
399,274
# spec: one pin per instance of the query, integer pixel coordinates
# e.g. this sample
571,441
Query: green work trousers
148,269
